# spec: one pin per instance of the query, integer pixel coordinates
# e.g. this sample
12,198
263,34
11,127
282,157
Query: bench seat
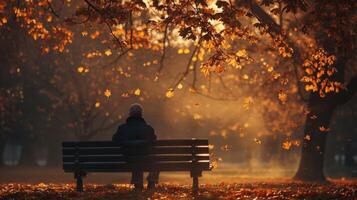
191,155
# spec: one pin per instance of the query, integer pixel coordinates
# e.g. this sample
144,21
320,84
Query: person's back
136,128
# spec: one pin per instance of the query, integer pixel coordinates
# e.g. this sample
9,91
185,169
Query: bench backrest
161,155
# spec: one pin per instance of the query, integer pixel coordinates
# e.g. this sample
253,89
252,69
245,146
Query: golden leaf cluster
319,71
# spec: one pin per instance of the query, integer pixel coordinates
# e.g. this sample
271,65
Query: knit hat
136,110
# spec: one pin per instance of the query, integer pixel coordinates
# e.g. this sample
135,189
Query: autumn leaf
170,93
247,102
95,34
97,104
205,69
80,69
137,92
108,52
197,116
264,189
313,117
125,95
257,141
283,97
107,93
286,145
324,129
219,69
242,53
4,20
225,147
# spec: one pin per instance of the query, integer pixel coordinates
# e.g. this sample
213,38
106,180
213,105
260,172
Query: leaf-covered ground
260,190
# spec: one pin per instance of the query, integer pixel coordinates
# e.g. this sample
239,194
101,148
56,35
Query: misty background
50,98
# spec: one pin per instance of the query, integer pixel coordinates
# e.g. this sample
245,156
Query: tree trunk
313,145
312,157
316,130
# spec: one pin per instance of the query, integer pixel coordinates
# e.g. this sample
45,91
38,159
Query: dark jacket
135,128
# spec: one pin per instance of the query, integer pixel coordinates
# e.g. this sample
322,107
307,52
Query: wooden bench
191,155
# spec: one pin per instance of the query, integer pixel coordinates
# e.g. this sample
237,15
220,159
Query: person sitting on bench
136,128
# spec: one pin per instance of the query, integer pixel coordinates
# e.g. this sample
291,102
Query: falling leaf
192,90
283,97
197,116
247,102
108,52
125,95
313,117
97,104
107,93
137,92
225,147
307,137
256,140
296,143
180,86
286,145
95,34
276,76
80,69
170,93
4,20
156,78
323,129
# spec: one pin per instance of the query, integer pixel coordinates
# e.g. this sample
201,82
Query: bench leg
79,184
195,184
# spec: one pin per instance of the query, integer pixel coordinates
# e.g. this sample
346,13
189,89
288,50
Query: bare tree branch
50,7
117,58
188,66
162,59
275,29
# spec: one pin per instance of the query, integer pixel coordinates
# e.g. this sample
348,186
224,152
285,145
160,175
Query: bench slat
128,167
150,158
137,151
183,142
